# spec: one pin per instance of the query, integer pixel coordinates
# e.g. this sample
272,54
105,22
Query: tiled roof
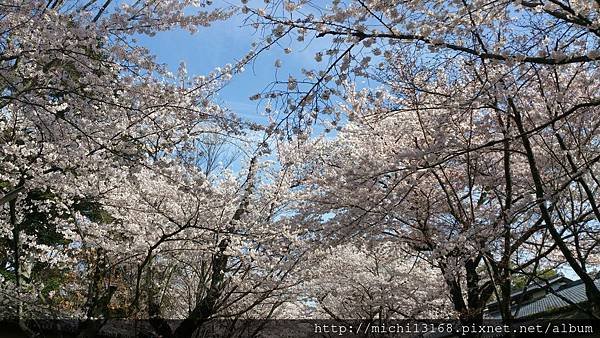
533,288
574,293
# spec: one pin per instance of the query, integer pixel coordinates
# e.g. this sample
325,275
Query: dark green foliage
520,281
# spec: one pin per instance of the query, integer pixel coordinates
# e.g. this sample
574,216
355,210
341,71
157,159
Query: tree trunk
591,290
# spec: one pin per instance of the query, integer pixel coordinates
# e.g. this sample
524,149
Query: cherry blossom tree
433,151
378,283
492,91
105,210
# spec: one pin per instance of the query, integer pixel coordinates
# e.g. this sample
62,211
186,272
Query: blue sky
225,42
